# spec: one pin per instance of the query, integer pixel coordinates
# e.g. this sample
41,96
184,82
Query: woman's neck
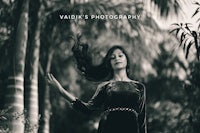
120,75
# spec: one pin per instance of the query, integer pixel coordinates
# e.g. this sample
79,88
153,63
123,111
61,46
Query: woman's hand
53,82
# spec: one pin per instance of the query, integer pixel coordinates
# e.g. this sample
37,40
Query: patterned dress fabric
122,104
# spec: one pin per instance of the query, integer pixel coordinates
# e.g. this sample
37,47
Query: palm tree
15,89
31,80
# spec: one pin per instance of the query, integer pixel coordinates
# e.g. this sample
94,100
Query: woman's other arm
142,113
94,103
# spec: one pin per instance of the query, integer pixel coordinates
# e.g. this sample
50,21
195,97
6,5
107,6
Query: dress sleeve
142,110
95,103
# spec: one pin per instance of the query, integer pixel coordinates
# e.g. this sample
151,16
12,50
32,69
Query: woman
121,99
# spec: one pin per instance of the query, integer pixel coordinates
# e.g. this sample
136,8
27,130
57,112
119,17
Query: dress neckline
130,81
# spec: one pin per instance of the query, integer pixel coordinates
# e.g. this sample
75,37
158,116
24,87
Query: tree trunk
46,105
31,83
15,90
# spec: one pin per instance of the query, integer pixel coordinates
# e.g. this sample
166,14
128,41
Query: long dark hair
101,72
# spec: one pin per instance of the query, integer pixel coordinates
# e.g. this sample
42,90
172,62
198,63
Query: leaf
197,10
174,30
185,43
197,3
188,24
188,49
194,34
198,20
198,52
199,27
177,32
176,24
187,27
182,38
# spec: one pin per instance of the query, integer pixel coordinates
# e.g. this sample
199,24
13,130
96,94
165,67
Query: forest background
34,42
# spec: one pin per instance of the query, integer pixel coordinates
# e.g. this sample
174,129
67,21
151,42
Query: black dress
123,105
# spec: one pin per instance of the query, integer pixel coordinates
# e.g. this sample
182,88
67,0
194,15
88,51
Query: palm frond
198,20
188,50
195,36
197,3
197,11
167,6
187,38
176,24
173,30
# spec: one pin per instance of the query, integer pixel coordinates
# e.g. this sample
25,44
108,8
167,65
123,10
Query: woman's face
118,60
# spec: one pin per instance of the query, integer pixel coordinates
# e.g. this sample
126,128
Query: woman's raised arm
58,87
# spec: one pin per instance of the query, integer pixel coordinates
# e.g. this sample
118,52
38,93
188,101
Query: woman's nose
117,58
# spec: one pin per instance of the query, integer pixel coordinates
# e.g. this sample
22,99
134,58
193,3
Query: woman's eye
112,57
120,55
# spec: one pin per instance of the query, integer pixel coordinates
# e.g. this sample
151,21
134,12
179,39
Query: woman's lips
118,62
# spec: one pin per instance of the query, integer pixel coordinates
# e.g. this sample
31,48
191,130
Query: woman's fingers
52,77
49,77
